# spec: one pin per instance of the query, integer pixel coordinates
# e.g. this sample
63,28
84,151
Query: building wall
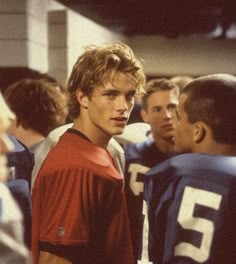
68,34
23,34
45,36
185,55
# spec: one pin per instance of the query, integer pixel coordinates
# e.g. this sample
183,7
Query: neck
165,145
94,134
217,149
28,137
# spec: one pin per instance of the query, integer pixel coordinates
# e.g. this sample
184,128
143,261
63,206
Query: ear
199,132
82,98
144,115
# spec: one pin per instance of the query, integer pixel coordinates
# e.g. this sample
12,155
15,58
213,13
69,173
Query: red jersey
78,199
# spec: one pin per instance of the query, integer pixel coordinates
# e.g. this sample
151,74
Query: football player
191,197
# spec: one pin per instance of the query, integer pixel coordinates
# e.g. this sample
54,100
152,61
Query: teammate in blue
158,109
191,197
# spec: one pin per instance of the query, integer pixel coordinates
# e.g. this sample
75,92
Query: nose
121,103
167,113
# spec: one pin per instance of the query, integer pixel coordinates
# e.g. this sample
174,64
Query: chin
118,131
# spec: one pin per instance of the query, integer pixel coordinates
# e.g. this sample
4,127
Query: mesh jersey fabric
50,141
192,209
78,199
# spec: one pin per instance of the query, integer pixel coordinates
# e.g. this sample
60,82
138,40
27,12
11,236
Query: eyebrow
115,90
170,104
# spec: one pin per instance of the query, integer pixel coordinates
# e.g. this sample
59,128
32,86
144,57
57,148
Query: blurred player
159,111
191,197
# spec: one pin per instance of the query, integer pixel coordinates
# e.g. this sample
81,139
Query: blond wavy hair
95,67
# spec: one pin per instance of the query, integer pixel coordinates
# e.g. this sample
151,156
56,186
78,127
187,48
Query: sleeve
116,226
76,207
158,193
36,212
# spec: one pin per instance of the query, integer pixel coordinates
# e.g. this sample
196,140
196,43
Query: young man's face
110,105
184,132
160,113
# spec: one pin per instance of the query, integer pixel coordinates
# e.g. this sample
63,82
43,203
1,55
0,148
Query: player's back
139,158
192,209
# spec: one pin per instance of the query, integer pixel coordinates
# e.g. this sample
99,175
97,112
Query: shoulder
195,169
136,150
190,162
133,133
114,146
20,153
76,156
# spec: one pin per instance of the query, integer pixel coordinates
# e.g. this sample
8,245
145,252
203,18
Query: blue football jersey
20,161
140,157
191,202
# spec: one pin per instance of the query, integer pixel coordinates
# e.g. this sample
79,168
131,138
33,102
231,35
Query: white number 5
191,197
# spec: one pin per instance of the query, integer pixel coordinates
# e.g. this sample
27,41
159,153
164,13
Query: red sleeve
76,207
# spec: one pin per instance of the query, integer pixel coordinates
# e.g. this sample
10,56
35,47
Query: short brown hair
95,66
38,104
181,80
155,85
211,99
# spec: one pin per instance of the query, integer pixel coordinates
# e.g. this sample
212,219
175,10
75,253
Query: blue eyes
111,96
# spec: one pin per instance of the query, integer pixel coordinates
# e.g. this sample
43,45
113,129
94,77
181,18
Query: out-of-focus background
183,37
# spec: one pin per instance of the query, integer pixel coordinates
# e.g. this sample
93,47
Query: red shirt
78,199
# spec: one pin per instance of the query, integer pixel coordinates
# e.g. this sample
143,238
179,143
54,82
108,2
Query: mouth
168,126
122,120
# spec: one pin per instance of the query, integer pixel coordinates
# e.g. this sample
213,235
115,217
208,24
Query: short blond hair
96,65
155,85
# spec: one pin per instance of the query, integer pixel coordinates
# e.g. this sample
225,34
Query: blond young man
79,208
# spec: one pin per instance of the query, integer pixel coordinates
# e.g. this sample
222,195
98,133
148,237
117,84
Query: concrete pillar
68,33
57,40
23,34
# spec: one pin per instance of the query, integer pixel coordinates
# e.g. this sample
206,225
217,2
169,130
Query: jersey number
145,255
134,170
137,188
191,197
